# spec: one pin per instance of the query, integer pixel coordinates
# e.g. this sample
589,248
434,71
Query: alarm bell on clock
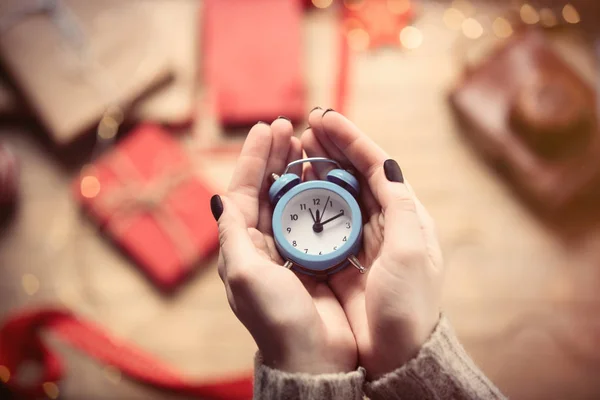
317,225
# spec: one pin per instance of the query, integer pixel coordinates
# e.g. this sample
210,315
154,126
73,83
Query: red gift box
252,60
147,195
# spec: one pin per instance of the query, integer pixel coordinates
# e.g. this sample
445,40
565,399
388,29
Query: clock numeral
302,207
342,212
316,202
347,225
289,230
335,247
330,203
306,250
294,243
344,239
294,217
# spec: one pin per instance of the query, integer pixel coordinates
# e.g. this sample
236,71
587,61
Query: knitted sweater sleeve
272,384
441,370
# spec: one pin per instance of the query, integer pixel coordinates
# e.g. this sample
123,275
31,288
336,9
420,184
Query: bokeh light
398,6
411,37
358,39
4,374
570,14
529,15
90,186
453,18
322,3
548,18
472,28
30,283
108,127
502,28
51,390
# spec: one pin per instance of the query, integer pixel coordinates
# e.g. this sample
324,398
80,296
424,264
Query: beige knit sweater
442,370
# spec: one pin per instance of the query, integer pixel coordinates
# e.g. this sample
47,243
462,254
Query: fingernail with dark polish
283,117
262,122
316,108
392,171
326,111
216,206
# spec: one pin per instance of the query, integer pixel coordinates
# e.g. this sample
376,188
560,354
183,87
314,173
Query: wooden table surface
522,298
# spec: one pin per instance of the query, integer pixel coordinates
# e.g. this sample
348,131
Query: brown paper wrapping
67,95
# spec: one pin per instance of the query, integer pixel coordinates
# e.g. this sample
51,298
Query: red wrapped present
147,195
252,60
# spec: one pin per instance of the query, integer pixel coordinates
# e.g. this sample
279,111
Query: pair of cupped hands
378,320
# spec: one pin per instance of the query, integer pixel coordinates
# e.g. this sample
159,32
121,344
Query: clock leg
288,264
354,261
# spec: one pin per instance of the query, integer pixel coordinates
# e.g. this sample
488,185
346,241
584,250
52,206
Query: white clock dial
317,221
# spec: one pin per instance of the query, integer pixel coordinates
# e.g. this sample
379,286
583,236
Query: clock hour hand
318,226
312,215
332,218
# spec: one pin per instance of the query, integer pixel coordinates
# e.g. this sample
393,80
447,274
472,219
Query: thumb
234,239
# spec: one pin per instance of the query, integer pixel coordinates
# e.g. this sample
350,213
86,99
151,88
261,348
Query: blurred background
490,107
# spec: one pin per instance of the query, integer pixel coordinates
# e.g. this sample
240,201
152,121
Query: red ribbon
21,341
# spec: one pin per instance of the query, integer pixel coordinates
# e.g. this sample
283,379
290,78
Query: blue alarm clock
317,225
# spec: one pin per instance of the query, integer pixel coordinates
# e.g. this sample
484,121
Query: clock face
317,221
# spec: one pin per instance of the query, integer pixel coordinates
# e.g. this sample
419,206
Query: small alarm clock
317,225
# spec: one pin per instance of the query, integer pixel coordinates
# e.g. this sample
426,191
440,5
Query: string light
358,39
354,4
453,18
50,389
464,6
322,3
411,37
30,283
107,128
90,186
472,28
112,374
529,15
502,28
398,6
570,14
4,374
548,18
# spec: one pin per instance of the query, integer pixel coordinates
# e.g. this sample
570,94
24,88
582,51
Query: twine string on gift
134,196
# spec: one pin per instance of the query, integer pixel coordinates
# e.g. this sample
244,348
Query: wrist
311,361
307,353
395,346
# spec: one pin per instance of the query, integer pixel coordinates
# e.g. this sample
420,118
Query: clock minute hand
324,209
331,219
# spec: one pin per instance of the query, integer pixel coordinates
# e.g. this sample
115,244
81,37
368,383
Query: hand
395,306
297,323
